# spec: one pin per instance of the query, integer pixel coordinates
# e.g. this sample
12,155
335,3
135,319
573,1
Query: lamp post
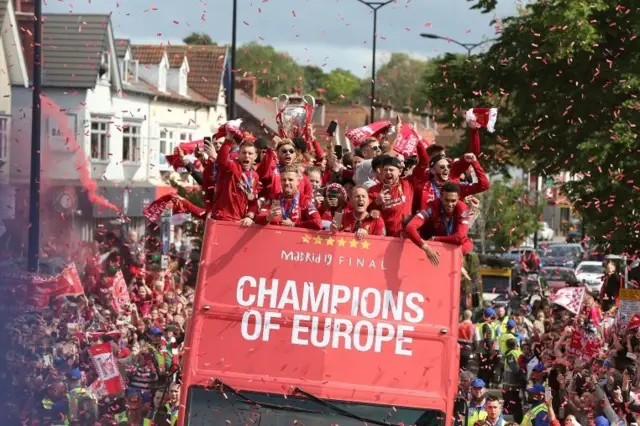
375,6
36,116
468,46
231,96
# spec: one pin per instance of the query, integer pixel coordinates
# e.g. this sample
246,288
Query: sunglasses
443,166
287,151
376,148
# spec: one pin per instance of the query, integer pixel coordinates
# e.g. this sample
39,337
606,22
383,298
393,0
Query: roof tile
148,55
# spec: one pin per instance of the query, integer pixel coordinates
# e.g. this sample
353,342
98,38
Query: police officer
478,401
81,403
508,335
54,407
173,405
486,335
513,380
538,415
502,318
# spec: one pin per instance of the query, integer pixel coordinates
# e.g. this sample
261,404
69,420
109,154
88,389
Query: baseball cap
155,331
537,388
74,374
478,383
602,421
511,324
489,312
539,368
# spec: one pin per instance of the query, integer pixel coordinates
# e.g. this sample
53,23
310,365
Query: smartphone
339,151
331,129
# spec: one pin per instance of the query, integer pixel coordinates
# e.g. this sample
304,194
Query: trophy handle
284,99
309,100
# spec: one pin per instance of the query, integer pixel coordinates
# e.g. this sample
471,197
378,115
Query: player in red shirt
393,196
276,158
445,220
237,189
358,220
291,207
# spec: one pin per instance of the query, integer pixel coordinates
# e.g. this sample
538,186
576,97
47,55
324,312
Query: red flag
569,298
69,283
187,148
40,290
119,292
107,369
153,211
407,140
373,130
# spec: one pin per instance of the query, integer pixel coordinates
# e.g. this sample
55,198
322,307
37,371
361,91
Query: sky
328,33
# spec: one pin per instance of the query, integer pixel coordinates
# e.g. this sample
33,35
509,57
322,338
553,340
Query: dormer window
182,82
131,71
104,66
162,76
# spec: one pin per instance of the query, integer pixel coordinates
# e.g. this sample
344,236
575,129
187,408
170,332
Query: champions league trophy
294,114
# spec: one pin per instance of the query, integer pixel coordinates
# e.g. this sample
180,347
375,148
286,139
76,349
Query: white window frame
5,136
128,138
182,82
130,71
171,137
102,156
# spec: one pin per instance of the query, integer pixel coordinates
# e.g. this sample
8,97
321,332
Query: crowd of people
553,365
302,181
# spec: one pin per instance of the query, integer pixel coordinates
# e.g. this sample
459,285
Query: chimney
26,25
249,87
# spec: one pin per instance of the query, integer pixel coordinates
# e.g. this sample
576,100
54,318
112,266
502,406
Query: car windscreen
591,269
552,274
212,407
495,284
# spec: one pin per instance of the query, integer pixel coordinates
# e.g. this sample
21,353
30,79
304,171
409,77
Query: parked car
557,277
591,273
568,255
574,237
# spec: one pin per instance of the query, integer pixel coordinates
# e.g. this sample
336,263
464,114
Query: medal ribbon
448,225
436,190
286,214
248,182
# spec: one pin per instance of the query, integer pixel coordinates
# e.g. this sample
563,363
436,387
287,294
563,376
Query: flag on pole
569,298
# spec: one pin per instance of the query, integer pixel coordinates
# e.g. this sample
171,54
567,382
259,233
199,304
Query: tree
198,38
341,86
314,78
276,72
506,217
398,81
564,74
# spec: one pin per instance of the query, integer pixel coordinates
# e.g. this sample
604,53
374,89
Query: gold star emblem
365,245
353,243
318,240
306,239
342,242
330,241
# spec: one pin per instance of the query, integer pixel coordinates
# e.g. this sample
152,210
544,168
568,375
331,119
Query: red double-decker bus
312,328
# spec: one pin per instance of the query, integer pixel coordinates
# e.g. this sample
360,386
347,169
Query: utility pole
231,96
36,124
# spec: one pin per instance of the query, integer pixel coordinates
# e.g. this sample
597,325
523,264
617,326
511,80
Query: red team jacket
432,222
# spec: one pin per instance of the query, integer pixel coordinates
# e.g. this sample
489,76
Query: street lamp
36,124
468,46
375,6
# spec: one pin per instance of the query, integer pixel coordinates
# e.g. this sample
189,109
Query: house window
131,143
183,83
162,78
131,71
99,140
166,145
4,137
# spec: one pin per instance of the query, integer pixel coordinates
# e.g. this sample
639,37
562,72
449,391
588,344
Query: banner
406,141
68,282
119,292
329,311
107,369
375,130
569,298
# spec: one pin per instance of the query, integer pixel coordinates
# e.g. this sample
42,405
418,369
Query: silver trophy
294,114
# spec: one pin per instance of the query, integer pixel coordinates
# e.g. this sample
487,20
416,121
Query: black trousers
513,404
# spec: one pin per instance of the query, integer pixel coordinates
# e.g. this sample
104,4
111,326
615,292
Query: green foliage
398,81
341,86
564,75
198,38
507,218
